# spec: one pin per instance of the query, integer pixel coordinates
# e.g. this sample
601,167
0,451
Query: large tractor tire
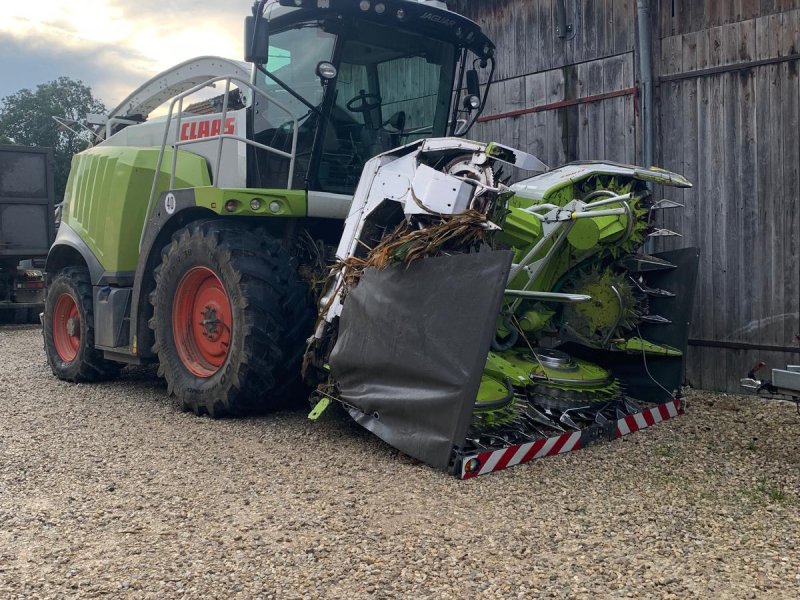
68,329
230,318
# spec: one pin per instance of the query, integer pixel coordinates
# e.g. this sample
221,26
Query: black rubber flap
412,346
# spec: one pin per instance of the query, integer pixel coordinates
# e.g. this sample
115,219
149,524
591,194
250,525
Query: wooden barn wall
728,120
536,69
726,116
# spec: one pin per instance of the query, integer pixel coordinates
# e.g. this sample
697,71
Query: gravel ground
111,490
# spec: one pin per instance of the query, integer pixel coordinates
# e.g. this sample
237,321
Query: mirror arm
457,104
288,88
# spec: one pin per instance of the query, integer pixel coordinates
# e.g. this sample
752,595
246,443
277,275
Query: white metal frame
220,138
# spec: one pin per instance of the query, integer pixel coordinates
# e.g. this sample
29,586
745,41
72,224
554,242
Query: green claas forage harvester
323,222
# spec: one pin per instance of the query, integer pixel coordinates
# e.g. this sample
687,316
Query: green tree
27,118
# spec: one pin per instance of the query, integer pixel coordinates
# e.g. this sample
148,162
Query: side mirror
472,101
256,40
473,86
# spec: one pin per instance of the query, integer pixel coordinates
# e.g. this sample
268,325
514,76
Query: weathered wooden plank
559,50
515,133
775,24
790,33
790,102
703,51
705,141
745,134
671,55
790,212
689,52
762,38
603,9
758,328
594,112
569,115
546,34
749,9
554,126
614,109
747,41
632,150
624,17
527,47
674,146
536,123
731,199
779,196
702,230
582,70
694,15
729,51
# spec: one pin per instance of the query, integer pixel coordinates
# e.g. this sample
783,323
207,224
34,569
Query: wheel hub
73,326
210,323
202,321
66,327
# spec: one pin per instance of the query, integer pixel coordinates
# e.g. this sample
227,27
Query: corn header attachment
476,325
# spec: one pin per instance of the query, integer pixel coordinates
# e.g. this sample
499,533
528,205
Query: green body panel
637,345
107,194
490,391
588,233
519,229
109,189
534,320
500,369
583,374
271,203
319,408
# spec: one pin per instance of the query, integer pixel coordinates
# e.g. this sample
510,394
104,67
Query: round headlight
326,70
380,8
472,102
364,5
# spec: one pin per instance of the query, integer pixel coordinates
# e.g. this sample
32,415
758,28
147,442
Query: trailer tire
68,330
230,318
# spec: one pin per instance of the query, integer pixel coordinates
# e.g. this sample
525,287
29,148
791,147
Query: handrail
221,137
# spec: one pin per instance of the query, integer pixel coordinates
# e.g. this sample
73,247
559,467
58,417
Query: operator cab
360,78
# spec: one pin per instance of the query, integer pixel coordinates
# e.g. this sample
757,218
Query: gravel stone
108,490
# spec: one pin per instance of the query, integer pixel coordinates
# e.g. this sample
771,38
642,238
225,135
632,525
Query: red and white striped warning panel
497,460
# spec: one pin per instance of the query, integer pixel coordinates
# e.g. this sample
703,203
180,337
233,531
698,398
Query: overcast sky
112,45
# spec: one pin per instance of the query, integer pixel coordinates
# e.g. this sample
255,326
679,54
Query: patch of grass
768,490
664,451
751,445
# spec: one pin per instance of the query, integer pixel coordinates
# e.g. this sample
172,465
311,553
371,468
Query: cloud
112,45
112,72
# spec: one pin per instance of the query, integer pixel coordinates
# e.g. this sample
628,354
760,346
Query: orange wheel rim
66,327
202,321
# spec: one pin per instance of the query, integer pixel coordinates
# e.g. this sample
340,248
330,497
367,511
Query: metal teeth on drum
641,263
664,233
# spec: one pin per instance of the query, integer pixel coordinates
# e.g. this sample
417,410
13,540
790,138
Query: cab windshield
392,87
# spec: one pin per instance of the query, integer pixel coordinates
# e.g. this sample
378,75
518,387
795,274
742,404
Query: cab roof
422,17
